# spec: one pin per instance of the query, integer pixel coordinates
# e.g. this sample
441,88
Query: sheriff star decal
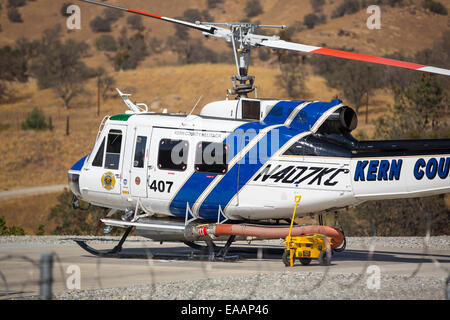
108,181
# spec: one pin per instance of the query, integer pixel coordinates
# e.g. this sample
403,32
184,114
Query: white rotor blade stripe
281,44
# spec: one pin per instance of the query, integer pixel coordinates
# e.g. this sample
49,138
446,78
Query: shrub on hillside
135,22
64,9
311,20
35,120
106,42
393,3
347,7
16,3
253,8
317,4
435,6
192,15
112,15
14,15
213,3
99,24
156,45
10,231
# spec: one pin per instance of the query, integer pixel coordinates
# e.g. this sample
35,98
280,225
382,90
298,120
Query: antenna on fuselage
133,107
195,106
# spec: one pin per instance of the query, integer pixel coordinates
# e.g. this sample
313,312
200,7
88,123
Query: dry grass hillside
37,158
406,29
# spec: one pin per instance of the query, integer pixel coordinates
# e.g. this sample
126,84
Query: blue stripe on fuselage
308,116
227,187
79,164
281,111
198,182
224,191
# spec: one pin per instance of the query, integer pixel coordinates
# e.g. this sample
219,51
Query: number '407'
161,186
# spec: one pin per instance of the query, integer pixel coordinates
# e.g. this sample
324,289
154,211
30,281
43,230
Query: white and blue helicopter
234,169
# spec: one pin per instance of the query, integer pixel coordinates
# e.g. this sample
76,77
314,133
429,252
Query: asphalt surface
149,270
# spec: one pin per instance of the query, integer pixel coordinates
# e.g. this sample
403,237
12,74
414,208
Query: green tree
61,68
417,112
105,83
72,221
292,77
13,67
130,51
355,80
40,230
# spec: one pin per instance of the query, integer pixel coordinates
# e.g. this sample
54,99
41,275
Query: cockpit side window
98,160
139,153
113,148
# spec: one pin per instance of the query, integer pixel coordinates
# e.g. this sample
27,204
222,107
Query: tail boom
400,177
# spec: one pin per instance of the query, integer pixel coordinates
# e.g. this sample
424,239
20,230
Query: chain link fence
56,277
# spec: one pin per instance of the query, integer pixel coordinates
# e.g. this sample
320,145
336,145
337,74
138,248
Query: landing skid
210,248
114,252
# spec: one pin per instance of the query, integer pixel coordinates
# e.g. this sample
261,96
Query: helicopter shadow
237,253
390,256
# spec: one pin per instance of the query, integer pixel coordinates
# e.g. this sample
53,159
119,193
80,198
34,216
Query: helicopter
233,171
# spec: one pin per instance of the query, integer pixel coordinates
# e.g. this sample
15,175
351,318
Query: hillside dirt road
19,193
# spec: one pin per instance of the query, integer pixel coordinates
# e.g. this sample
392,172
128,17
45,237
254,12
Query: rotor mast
240,34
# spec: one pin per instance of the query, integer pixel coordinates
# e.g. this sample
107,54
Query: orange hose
278,232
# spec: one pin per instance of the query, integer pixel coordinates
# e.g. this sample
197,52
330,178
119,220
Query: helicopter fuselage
248,159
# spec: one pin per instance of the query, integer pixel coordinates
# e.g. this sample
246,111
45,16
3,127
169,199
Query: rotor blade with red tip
281,44
204,28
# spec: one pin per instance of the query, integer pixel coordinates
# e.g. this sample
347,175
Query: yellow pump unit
307,247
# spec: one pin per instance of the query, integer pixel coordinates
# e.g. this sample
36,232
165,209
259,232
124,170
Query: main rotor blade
281,44
204,28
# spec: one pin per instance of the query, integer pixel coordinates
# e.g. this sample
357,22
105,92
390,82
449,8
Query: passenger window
113,147
173,154
98,160
139,153
211,157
